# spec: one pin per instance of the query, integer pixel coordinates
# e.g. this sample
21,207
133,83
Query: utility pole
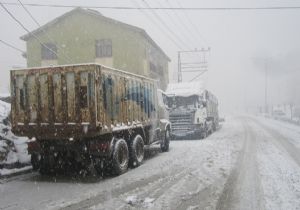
198,66
266,85
179,68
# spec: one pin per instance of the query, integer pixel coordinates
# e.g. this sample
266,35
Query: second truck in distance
193,110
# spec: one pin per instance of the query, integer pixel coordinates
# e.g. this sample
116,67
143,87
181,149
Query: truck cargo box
79,101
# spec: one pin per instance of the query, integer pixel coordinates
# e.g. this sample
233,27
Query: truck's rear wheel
164,145
120,157
35,161
204,134
45,168
136,151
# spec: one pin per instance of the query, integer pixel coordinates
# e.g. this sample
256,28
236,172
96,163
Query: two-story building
86,36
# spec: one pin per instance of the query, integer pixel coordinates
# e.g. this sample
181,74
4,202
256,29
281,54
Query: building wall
157,64
75,38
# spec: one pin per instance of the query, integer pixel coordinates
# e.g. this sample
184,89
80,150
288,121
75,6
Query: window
103,48
49,51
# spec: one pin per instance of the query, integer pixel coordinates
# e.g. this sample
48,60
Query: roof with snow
185,89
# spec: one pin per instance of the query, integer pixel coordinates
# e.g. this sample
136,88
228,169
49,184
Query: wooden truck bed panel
79,101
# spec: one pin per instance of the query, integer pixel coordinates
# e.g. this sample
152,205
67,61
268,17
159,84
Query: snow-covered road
250,163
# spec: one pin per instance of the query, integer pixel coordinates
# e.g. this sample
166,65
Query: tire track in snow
204,196
25,176
201,189
108,195
114,194
153,190
243,188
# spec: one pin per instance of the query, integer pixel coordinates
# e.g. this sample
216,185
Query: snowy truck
193,110
88,116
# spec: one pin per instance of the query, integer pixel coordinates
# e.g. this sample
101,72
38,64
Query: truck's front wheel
120,157
136,151
164,145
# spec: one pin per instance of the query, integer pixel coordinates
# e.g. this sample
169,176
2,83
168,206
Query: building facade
86,36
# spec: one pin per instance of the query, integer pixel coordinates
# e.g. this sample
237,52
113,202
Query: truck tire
44,167
120,157
204,134
35,161
214,126
164,145
136,151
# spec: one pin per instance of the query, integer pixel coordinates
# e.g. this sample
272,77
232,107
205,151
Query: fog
245,44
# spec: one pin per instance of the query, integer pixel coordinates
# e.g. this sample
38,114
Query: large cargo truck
87,116
193,110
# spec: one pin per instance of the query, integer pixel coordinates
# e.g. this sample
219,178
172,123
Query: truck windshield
186,102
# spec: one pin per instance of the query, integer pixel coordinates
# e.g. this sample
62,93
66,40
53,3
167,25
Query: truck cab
192,110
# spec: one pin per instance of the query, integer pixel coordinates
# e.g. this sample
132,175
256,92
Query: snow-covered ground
284,128
250,163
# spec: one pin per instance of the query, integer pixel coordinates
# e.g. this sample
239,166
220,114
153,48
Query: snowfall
249,163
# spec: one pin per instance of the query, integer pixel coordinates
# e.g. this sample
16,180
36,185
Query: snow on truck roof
185,89
87,64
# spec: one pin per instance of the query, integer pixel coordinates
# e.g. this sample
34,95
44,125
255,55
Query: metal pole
266,86
179,68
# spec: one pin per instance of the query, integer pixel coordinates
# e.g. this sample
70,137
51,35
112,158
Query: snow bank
6,172
286,129
4,110
185,89
13,149
279,173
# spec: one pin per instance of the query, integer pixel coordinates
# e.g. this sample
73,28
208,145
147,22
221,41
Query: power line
190,67
187,29
164,23
16,20
27,11
177,25
15,48
196,77
156,15
159,8
39,25
192,23
11,46
158,25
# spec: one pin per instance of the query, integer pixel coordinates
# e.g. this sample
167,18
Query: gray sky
241,42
